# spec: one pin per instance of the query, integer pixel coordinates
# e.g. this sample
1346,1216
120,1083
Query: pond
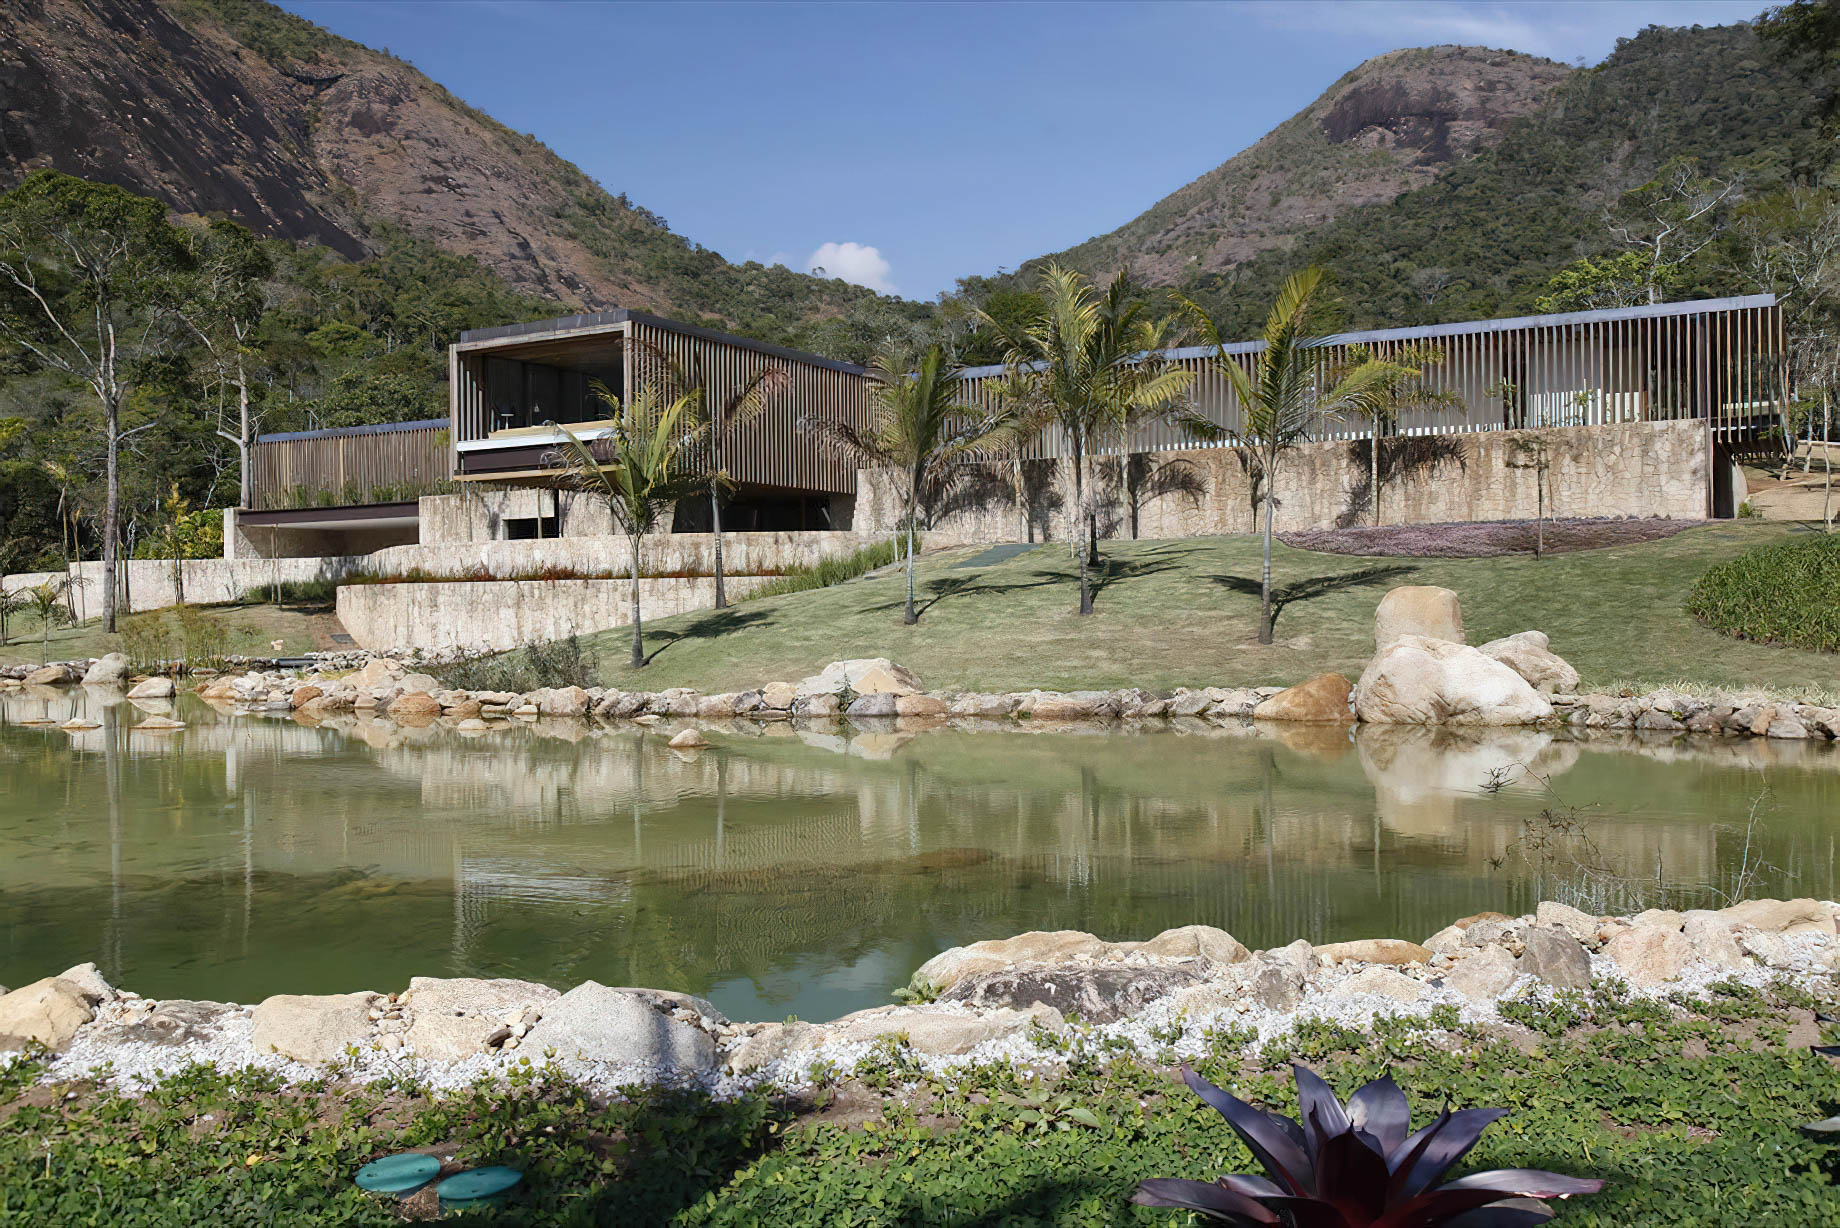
808,872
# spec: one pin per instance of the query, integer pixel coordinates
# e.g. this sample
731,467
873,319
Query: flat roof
602,321
1508,324
375,428
343,516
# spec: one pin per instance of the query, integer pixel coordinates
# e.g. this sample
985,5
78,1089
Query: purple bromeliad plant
1360,1165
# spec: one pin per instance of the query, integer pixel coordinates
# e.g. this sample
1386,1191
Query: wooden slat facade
364,464
1722,361
505,381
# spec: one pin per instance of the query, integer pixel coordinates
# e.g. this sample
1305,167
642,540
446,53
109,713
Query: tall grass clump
556,663
828,571
321,590
1787,593
179,639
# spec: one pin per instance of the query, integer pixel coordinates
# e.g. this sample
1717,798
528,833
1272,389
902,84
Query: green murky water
804,873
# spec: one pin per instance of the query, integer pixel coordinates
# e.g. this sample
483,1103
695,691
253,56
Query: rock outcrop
1529,654
1418,609
1417,680
1324,698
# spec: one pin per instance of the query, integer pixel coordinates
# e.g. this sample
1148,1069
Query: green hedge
1782,594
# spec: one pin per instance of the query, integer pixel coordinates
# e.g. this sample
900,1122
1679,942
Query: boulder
378,671
778,696
465,710
816,707
560,701
1196,942
160,724
1579,925
1527,653
720,707
419,682
418,705
941,1033
313,1027
1385,983
109,669
1710,938
1323,698
1097,993
1418,609
48,1011
177,1021
1373,951
920,705
304,695
88,979
50,675
773,1042
863,676
1422,681
1665,917
458,1017
1445,942
1554,957
1485,974
687,739
1077,706
598,1024
1649,954
1782,916
1037,947
881,703
983,704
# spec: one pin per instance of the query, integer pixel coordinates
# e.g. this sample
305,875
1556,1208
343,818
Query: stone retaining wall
1630,469
496,615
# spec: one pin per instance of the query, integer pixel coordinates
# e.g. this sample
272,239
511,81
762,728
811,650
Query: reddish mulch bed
1474,541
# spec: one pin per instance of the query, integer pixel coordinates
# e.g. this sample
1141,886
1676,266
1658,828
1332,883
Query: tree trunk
246,481
1265,567
1025,531
1827,460
1086,560
715,526
1077,512
1539,514
638,632
1373,485
908,615
111,514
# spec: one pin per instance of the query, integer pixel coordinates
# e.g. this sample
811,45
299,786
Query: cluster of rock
990,998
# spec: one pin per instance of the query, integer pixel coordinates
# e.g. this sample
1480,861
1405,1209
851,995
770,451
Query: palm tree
43,599
918,427
721,417
1281,398
1383,413
642,473
10,604
1092,365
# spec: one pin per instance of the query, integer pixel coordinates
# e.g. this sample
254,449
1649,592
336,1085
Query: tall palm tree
1282,398
43,599
919,428
722,417
639,471
1092,365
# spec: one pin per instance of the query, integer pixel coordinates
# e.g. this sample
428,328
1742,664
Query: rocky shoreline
1038,1000
1422,673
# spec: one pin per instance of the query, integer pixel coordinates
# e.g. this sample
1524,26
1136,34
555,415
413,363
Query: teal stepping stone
399,1175
479,1187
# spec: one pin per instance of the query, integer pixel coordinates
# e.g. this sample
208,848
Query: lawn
1690,1112
250,631
1185,613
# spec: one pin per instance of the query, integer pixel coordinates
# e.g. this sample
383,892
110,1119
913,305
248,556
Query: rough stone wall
1632,469
149,582
494,615
670,552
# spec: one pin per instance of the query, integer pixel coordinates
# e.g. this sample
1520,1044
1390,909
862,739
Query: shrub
185,636
319,591
829,571
1787,593
558,663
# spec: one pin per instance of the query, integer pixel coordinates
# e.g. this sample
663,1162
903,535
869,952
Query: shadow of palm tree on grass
942,587
712,625
1312,587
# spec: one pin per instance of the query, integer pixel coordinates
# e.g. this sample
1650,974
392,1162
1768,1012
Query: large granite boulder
1649,954
50,675
160,687
1418,609
458,1017
1529,654
1781,916
628,1027
560,701
1097,993
861,675
994,955
1325,697
771,1042
1373,951
177,1021
313,1027
941,1033
1193,942
1555,957
1421,681
48,1012
109,669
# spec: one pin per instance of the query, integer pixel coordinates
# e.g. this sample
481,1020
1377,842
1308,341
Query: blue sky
905,145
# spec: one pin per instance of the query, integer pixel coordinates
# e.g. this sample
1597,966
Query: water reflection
809,870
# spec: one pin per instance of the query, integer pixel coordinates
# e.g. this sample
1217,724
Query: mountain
238,107
1391,124
1474,230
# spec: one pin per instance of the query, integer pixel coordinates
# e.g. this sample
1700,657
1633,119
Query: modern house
1713,370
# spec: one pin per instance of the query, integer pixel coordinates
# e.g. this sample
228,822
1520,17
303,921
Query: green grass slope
1185,613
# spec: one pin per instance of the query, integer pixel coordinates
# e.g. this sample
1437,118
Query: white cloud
856,263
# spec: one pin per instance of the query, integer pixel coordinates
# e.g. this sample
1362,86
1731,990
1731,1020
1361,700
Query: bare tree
223,305
86,275
1672,217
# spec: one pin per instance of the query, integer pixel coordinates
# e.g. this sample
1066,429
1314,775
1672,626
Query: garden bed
1485,539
